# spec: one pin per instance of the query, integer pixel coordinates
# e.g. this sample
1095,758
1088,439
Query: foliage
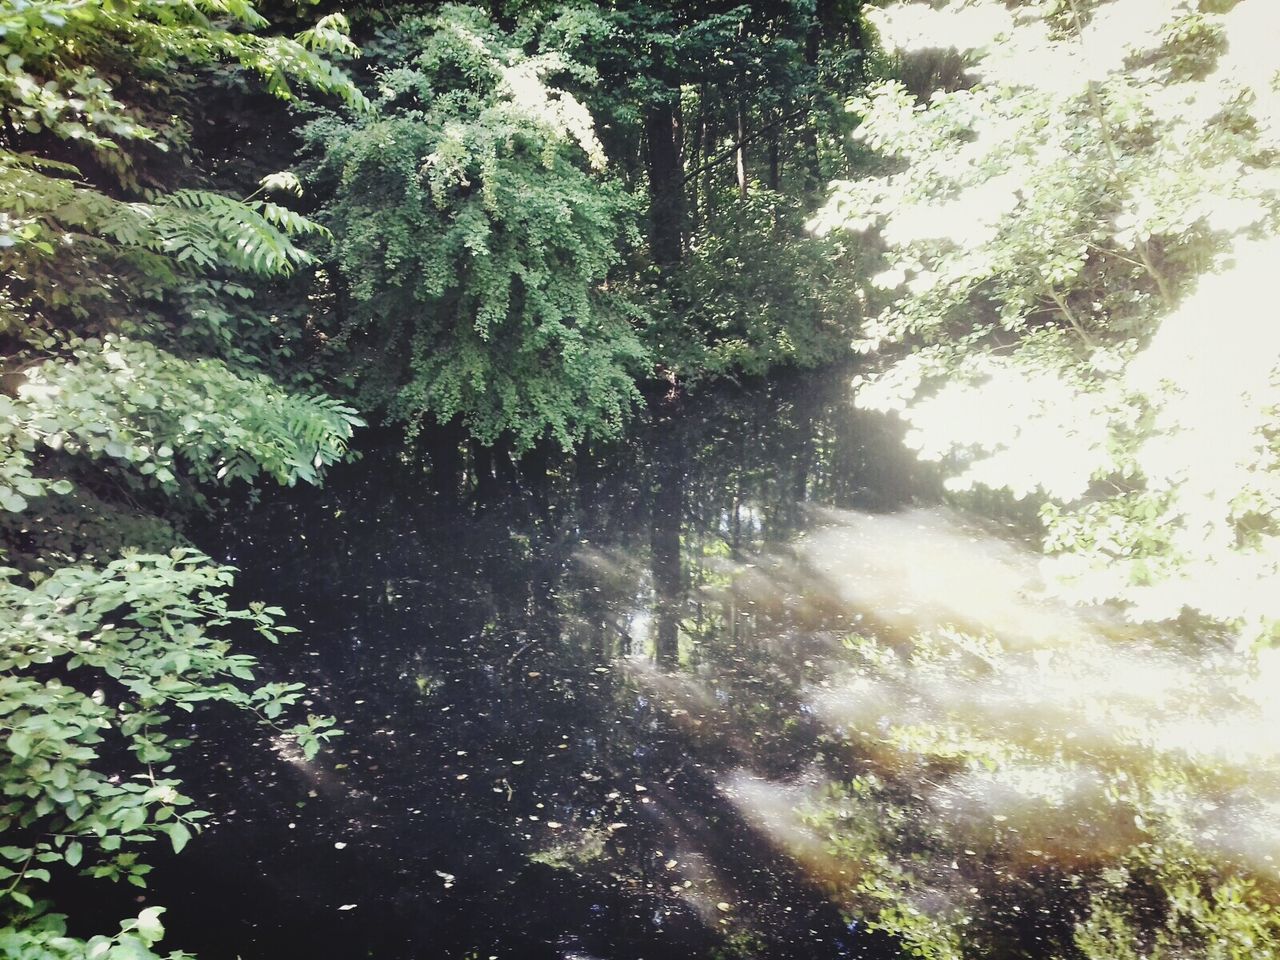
93,657
755,293
476,239
1077,249
87,228
143,634
134,404
727,117
892,894
111,424
1206,912
46,938
123,416
59,58
1007,790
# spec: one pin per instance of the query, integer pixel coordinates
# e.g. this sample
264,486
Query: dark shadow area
513,780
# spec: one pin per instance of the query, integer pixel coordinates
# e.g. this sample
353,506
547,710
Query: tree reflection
666,524
541,689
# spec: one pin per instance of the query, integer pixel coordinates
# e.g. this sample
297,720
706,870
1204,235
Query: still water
671,702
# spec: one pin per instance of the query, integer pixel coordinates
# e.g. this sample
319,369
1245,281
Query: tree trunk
775,160
668,580
812,51
740,154
666,184
842,20
696,153
709,176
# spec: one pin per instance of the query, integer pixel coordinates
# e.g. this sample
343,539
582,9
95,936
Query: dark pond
657,705
524,772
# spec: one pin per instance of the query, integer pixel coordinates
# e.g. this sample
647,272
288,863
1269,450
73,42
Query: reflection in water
1004,741
695,697
666,520
923,569
540,691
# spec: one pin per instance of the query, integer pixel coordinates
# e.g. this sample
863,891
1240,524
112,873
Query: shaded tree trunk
775,160
696,152
709,133
666,184
812,52
664,542
740,155
842,20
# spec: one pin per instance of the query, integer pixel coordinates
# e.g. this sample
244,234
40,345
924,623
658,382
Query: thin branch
1112,253
1095,103
1166,292
21,874
739,143
1071,317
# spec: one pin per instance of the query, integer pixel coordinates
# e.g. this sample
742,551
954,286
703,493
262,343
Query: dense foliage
111,427
476,237
1076,244
476,265
732,119
486,271
752,295
1077,221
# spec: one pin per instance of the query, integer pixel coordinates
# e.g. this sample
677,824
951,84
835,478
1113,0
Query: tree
741,109
476,237
1076,247
110,426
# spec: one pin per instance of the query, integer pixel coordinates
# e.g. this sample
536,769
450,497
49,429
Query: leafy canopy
476,235
108,429
1077,253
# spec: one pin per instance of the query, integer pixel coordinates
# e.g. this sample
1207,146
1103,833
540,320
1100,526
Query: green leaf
11,500
19,744
132,819
149,927
179,835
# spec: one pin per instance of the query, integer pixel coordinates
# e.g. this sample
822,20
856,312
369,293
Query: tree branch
731,153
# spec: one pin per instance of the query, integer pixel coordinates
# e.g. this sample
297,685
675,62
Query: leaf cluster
112,425
476,238
1061,238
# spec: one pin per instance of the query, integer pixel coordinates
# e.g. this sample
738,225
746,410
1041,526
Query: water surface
548,693
707,694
